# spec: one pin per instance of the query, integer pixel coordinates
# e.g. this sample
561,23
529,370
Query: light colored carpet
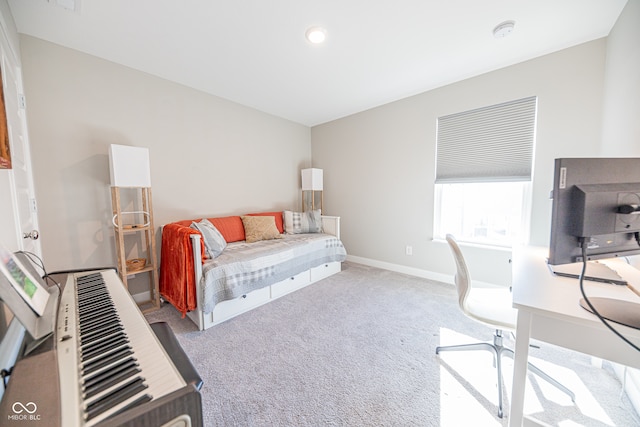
358,349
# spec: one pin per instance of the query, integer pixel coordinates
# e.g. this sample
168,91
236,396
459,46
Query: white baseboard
142,297
411,271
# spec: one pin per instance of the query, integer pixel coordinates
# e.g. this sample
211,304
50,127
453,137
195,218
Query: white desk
549,310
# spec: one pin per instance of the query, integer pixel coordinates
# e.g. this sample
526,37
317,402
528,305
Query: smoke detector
72,5
503,29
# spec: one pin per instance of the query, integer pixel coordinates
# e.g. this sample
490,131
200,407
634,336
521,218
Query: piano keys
112,369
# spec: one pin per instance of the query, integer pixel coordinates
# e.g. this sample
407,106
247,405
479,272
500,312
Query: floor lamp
311,183
131,175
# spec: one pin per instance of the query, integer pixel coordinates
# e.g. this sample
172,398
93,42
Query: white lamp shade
129,166
312,179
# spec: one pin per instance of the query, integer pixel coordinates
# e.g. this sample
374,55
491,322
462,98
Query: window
483,173
488,213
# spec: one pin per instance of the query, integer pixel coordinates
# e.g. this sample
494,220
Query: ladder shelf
137,239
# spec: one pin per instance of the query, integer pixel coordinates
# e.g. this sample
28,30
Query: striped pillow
214,243
302,222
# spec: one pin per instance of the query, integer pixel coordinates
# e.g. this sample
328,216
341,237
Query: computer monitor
595,201
596,215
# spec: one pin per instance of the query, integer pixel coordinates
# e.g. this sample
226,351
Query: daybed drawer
291,284
325,270
227,309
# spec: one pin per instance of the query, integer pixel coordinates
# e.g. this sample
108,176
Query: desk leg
523,332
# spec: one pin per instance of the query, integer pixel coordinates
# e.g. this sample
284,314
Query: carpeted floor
358,349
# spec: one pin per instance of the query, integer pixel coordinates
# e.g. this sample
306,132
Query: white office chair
492,307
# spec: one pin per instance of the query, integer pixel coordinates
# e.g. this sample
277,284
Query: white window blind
488,144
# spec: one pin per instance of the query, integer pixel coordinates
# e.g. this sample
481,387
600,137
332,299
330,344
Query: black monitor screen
595,200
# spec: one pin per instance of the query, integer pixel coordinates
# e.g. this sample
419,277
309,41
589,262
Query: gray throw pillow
214,243
302,222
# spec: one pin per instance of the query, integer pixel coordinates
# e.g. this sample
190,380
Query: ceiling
254,52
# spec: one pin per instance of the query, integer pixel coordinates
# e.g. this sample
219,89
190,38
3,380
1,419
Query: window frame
481,146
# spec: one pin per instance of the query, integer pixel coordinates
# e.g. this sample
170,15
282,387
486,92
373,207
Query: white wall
621,127
9,45
379,165
208,156
621,122
621,115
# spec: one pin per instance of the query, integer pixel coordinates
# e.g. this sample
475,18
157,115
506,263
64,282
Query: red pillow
230,227
277,215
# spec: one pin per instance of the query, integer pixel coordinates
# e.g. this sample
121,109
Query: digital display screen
23,281
30,289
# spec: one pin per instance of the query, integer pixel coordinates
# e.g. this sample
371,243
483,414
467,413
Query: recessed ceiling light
316,34
503,29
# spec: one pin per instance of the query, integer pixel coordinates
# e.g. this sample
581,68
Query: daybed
216,268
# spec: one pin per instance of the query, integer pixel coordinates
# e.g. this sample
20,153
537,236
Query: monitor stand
596,271
623,312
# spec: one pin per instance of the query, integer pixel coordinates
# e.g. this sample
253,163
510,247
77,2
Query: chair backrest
462,278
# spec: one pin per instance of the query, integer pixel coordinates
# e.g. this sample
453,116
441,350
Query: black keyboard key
117,396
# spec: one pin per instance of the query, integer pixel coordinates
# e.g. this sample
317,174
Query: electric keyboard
106,346
111,368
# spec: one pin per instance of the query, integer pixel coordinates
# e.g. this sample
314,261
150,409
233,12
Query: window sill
476,245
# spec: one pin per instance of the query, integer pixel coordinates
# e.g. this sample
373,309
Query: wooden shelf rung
146,244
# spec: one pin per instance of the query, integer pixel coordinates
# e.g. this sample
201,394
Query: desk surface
554,303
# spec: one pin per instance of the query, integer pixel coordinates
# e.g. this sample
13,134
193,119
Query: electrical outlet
408,250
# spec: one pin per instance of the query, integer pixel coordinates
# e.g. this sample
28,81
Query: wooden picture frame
5,146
